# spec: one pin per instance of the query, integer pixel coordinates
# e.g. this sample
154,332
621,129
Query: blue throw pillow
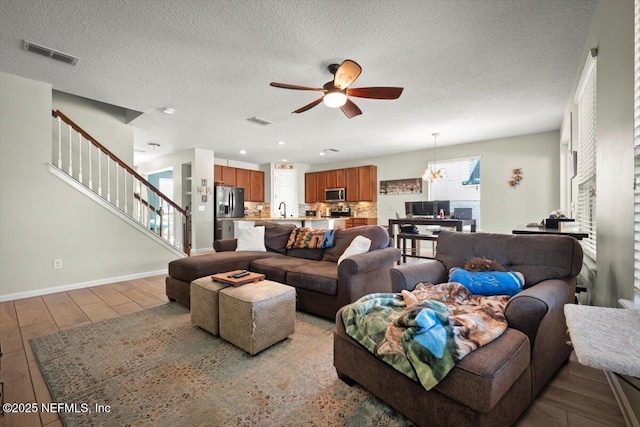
488,283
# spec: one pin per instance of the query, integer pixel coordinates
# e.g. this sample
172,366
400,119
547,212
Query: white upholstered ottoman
258,315
204,303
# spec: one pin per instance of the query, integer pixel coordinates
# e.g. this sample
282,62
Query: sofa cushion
319,276
378,235
312,254
537,257
276,268
195,267
481,378
276,235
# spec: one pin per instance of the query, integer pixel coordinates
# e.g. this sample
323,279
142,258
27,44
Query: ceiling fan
337,92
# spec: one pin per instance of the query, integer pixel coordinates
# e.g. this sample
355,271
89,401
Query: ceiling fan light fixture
335,99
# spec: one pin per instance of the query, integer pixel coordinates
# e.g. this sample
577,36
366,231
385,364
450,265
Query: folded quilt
423,333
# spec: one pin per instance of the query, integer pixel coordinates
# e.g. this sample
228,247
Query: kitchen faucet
285,208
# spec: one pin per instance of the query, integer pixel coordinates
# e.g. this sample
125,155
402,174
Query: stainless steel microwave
335,195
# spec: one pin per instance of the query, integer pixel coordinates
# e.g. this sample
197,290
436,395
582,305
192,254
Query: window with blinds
636,186
587,139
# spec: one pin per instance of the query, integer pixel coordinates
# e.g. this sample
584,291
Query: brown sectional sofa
322,286
493,385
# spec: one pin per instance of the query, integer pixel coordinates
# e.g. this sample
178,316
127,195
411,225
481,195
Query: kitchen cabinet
340,180
228,175
256,186
321,185
243,179
251,180
310,188
331,178
351,181
357,222
367,183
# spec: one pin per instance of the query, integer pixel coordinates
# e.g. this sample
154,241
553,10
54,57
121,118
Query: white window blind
587,140
637,152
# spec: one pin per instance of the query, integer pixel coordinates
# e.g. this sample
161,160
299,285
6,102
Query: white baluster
124,178
100,173
59,142
117,186
70,153
90,178
80,157
108,179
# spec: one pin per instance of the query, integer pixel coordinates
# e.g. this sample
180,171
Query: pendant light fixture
431,173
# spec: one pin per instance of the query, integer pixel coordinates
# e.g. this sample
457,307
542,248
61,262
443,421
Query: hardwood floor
577,395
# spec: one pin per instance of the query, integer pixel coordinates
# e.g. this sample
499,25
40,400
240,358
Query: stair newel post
139,206
59,142
186,233
70,151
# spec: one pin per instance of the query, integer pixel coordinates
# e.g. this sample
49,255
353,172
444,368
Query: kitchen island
230,226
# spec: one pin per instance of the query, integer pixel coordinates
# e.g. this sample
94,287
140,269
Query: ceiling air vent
330,150
260,121
50,53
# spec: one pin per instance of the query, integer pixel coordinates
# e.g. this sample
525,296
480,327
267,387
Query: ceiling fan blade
297,87
350,109
347,73
376,92
309,106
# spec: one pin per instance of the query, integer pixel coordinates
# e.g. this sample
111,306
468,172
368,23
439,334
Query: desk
459,225
576,234
605,338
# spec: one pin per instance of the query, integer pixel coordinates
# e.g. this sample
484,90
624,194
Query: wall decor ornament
401,186
516,177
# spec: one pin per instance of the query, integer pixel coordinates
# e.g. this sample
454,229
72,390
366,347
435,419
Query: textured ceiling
472,70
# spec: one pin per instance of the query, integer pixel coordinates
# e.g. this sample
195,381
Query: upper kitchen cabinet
321,185
331,178
256,187
217,173
351,184
367,183
340,178
228,176
310,188
243,179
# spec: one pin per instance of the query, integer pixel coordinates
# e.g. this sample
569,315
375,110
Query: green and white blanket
423,333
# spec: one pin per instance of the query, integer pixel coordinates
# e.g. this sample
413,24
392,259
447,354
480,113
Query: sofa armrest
538,312
406,277
365,274
225,245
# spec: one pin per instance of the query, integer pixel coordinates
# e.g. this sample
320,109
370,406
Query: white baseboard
91,283
197,251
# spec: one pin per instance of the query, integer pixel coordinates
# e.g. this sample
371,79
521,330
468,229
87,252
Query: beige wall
612,31
42,218
502,207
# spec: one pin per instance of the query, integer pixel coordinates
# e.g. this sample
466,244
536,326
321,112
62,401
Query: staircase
109,180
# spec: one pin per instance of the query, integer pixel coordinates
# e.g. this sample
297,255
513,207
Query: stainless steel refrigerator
229,203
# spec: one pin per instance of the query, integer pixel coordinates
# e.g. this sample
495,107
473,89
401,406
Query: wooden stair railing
81,154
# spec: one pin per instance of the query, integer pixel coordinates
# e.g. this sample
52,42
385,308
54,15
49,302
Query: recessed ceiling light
243,151
280,142
321,153
154,145
284,160
168,110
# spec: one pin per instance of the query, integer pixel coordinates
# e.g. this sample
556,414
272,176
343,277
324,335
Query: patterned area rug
155,368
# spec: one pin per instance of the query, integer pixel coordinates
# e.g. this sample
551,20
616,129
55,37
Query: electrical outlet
201,208
57,263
